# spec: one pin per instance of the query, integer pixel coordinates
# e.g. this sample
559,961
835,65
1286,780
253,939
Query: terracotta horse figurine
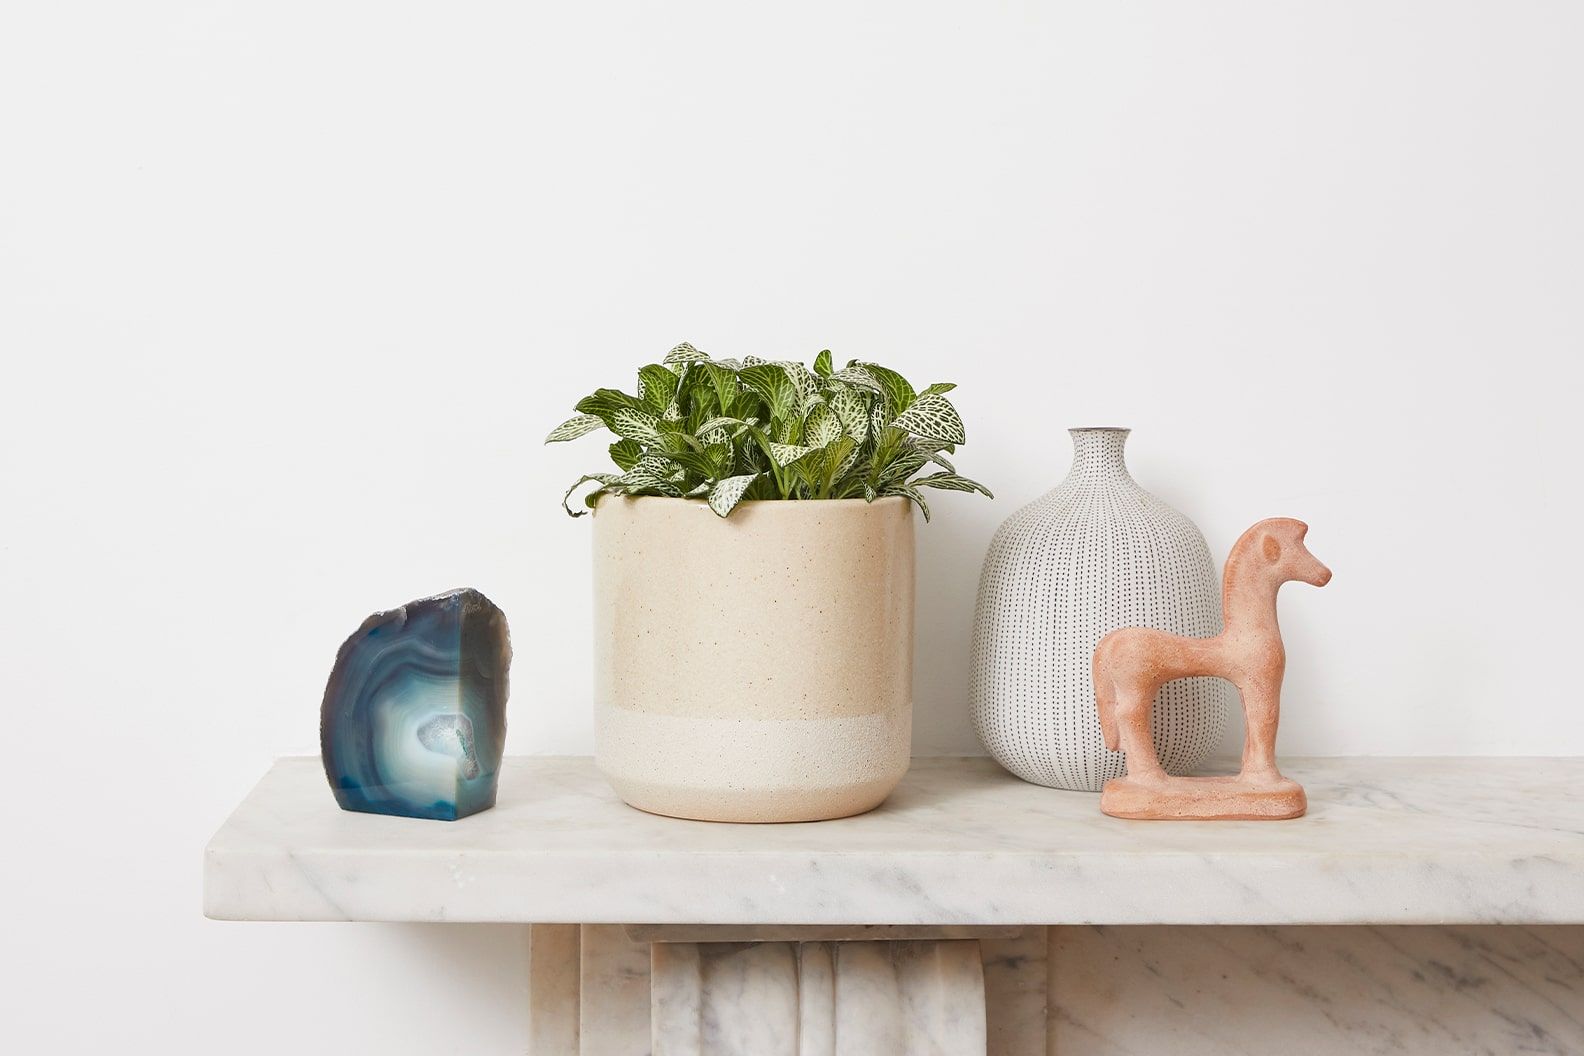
1131,664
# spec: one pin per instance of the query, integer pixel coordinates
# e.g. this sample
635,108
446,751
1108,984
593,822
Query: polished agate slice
414,716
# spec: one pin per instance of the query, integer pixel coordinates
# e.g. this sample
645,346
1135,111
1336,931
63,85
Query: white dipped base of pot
715,769
757,667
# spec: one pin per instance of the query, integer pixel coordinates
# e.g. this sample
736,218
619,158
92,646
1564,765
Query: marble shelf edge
286,854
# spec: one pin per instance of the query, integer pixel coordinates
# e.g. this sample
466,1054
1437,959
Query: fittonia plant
724,431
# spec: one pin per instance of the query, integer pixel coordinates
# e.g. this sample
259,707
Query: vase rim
1101,429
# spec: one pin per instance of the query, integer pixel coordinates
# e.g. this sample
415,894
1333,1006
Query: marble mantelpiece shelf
1387,841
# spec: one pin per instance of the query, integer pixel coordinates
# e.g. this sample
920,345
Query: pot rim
799,505
881,500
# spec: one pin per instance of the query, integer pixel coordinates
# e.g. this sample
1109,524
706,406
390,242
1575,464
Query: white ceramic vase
756,667
1097,553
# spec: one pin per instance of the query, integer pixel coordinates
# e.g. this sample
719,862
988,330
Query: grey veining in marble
1320,991
915,998
1015,990
960,842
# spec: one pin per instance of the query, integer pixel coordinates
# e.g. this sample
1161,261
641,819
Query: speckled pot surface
757,667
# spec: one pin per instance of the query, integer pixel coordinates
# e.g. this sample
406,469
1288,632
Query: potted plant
753,581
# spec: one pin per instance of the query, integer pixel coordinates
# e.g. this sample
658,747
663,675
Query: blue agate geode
414,716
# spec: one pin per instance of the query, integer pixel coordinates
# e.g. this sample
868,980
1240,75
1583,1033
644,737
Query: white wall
290,293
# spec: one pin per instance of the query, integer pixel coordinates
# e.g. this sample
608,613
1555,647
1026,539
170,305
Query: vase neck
1099,452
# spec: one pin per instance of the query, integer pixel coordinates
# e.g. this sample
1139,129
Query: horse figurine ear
1132,663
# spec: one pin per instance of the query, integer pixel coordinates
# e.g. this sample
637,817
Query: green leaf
898,393
605,402
840,457
625,453
769,381
573,428
725,383
939,388
726,494
657,387
822,364
685,353
911,493
903,466
951,482
604,479
934,417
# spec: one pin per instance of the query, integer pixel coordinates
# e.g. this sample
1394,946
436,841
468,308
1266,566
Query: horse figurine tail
1105,699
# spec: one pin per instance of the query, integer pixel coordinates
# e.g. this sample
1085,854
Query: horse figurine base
1132,663
1230,798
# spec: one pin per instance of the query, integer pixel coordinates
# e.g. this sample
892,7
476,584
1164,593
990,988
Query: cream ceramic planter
757,667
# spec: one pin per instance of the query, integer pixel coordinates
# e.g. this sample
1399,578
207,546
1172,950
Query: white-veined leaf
804,381
934,417
638,478
634,425
858,376
684,353
573,428
786,454
726,494
852,410
821,426
722,422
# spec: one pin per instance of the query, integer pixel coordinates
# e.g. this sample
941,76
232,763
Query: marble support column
907,998
554,998
613,1018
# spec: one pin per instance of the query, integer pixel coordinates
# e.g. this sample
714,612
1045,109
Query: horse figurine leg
1261,711
1133,707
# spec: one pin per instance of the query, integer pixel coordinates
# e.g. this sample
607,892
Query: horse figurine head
1278,548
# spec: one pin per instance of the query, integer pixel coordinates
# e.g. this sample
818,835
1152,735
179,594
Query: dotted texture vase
1097,553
